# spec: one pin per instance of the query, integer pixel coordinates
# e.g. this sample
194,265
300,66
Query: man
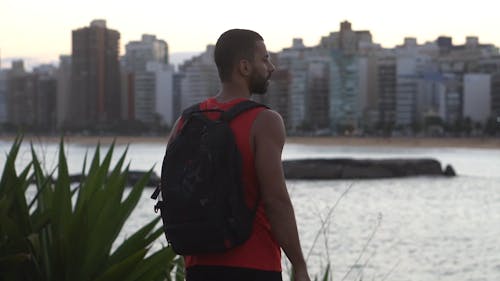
244,68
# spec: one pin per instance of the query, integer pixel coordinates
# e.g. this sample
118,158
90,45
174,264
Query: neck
230,91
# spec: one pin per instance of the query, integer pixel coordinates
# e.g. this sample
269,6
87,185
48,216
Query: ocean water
419,228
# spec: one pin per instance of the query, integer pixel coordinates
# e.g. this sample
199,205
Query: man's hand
300,274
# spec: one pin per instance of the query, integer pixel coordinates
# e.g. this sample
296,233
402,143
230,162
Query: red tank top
261,251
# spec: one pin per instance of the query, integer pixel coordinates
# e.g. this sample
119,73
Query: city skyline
188,26
347,84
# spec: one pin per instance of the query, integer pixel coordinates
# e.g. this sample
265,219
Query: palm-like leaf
59,237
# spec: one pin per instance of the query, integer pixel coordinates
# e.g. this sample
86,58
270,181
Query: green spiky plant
68,232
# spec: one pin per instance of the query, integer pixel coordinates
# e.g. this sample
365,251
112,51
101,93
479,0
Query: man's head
243,52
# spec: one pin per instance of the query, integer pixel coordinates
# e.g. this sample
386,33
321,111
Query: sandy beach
399,142
327,141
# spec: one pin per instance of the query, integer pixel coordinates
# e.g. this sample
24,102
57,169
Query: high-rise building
318,95
348,41
139,53
200,79
489,65
95,77
432,98
303,74
298,94
445,44
46,97
477,97
495,98
3,96
21,96
177,93
368,90
31,98
150,81
453,97
163,110
353,79
294,61
386,77
454,63
63,76
412,60
407,91
345,108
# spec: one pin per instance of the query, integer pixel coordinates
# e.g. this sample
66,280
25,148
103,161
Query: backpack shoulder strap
197,109
238,109
188,111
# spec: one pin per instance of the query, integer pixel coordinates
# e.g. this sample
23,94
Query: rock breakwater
348,168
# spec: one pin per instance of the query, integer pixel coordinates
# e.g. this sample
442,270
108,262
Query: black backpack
203,204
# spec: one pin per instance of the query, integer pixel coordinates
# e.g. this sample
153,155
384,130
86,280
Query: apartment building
345,110
31,97
148,93
200,79
63,77
477,97
386,78
495,98
348,40
21,96
46,97
95,77
3,96
412,61
318,95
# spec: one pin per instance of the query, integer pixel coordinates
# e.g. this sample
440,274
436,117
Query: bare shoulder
267,118
269,124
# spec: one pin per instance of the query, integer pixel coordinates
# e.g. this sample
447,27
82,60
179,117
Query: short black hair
233,45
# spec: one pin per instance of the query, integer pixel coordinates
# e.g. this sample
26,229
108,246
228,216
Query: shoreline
450,142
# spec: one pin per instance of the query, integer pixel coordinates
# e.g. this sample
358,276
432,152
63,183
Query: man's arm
268,135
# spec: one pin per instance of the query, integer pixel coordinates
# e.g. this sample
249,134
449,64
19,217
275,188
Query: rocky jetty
347,168
336,168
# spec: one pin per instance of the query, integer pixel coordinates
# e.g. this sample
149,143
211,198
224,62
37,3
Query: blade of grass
363,250
330,212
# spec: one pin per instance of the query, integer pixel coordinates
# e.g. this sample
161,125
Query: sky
40,30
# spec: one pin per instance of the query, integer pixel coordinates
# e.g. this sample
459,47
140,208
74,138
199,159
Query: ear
245,67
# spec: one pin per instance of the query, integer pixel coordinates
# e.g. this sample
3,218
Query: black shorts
225,273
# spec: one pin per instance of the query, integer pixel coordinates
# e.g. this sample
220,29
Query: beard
258,83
